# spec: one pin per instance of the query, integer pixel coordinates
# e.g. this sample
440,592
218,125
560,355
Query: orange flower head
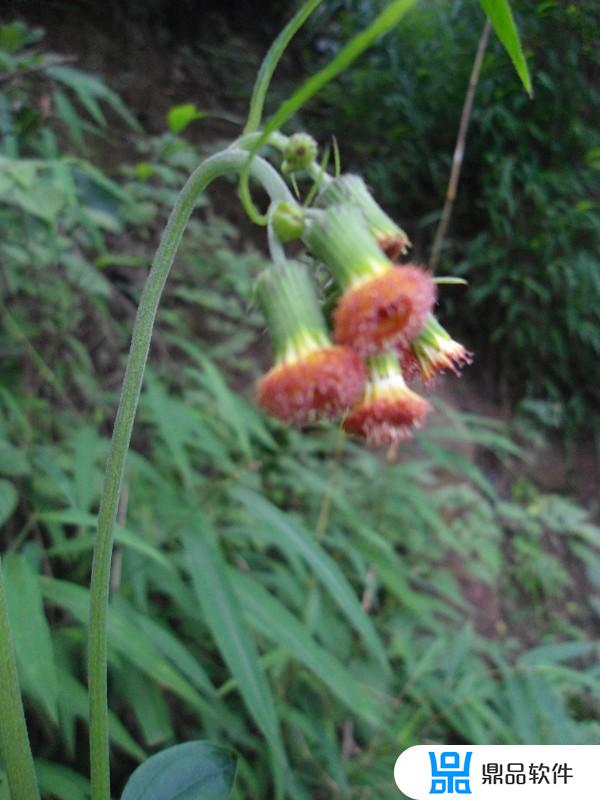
388,410
436,351
312,378
318,384
382,310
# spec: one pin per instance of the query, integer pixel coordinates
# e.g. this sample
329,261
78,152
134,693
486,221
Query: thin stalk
270,61
14,741
222,163
459,149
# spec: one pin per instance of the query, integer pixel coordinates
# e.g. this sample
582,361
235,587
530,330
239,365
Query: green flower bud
288,221
300,152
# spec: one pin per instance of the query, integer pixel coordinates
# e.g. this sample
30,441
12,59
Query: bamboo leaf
225,619
8,500
274,621
327,571
60,782
126,639
73,516
73,701
500,15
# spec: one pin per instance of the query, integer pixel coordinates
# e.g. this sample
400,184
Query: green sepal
289,302
340,238
352,189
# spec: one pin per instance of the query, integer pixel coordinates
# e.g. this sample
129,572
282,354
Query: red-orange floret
321,384
387,418
385,309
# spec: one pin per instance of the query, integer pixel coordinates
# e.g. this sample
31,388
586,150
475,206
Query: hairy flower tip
436,351
411,367
321,384
384,309
393,245
388,412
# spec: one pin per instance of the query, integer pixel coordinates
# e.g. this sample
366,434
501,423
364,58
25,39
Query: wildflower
388,411
352,189
380,304
312,378
436,351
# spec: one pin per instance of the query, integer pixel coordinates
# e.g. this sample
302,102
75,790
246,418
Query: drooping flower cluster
383,328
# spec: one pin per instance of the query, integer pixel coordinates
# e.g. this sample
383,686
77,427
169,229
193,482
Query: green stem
222,163
270,61
14,741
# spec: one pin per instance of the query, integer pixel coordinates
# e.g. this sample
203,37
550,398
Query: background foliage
444,597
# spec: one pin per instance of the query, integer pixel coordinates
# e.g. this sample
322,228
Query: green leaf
73,701
225,619
274,621
170,647
13,460
148,705
89,89
561,651
179,117
227,403
191,771
297,539
500,15
126,639
31,633
72,516
9,498
60,782
4,790
11,37
43,200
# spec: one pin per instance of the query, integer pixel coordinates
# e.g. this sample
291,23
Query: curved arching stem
225,162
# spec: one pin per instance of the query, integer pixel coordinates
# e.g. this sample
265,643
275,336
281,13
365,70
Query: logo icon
448,777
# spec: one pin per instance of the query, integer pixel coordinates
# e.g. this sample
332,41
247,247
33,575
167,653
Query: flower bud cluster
383,329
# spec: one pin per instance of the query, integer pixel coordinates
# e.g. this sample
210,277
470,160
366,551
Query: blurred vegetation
391,603
526,229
